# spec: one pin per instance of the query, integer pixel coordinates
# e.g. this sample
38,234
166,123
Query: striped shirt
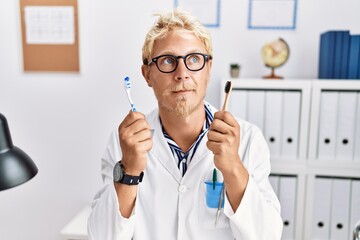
183,159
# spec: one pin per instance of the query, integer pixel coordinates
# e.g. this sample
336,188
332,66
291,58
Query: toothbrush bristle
228,87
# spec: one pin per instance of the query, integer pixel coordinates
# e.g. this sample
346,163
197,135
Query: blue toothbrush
127,85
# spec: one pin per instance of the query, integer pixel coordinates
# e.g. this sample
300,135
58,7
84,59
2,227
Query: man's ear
146,72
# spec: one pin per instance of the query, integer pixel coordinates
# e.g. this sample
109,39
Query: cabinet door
256,107
273,121
328,125
290,125
354,204
346,124
357,131
287,198
320,227
340,209
238,103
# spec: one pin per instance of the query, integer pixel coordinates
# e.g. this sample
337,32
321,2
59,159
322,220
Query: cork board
50,38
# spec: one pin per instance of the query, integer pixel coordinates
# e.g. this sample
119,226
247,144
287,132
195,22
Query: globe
275,54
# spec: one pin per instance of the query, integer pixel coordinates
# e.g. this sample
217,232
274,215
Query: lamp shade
16,167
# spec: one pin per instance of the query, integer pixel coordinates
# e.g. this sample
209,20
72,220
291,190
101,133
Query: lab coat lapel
161,151
201,154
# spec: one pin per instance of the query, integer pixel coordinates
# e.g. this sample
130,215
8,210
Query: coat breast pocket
209,200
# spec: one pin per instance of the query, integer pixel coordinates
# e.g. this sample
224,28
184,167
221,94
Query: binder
357,131
354,57
340,209
287,198
345,55
320,226
346,125
340,38
290,125
355,204
273,123
327,49
274,181
256,105
238,103
327,125
324,46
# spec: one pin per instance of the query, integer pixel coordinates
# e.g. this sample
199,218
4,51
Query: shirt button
182,188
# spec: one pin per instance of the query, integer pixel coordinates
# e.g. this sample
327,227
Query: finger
137,144
226,117
147,144
133,123
138,125
132,117
215,136
144,135
220,126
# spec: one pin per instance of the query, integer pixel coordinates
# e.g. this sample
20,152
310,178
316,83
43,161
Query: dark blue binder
322,63
326,56
338,57
354,57
345,55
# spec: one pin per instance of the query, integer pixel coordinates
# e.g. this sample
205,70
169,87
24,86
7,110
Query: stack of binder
339,55
276,113
336,208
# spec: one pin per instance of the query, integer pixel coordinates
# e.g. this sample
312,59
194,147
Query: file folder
340,209
256,108
355,204
273,123
238,103
357,131
291,125
346,125
287,198
321,209
327,125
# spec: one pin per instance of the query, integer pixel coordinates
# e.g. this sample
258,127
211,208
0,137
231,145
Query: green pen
214,178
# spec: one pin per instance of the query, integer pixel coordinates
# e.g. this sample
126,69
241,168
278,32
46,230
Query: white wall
63,120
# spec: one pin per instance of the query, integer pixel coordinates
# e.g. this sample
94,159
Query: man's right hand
135,141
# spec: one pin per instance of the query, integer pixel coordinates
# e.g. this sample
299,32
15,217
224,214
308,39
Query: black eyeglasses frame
206,57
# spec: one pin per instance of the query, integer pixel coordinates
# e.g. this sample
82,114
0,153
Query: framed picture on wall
50,35
208,11
272,14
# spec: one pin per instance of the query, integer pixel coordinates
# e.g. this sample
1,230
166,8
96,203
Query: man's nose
181,72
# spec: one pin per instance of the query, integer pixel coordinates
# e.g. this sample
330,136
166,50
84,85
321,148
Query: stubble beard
183,108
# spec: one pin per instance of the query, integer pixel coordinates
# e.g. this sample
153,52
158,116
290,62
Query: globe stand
272,75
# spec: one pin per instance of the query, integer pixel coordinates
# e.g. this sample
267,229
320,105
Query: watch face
117,172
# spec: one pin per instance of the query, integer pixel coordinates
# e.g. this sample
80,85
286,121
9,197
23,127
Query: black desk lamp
16,167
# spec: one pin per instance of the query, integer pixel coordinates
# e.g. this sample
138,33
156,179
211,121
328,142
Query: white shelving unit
306,166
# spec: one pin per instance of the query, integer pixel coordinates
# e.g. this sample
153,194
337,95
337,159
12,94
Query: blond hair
175,20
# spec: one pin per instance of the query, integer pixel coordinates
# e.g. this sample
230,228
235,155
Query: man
164,194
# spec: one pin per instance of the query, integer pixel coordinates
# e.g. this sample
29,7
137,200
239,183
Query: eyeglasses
168,63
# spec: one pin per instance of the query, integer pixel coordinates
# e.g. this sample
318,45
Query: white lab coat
169,206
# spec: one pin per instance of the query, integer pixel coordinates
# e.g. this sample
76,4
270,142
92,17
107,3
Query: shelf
307,164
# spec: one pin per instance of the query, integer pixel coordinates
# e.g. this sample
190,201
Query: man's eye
194,59
168,61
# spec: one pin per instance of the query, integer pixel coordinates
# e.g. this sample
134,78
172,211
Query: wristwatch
120,176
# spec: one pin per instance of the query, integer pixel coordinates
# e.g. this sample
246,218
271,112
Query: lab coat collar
164,154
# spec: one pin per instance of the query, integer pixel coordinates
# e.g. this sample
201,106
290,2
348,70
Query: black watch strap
129,179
